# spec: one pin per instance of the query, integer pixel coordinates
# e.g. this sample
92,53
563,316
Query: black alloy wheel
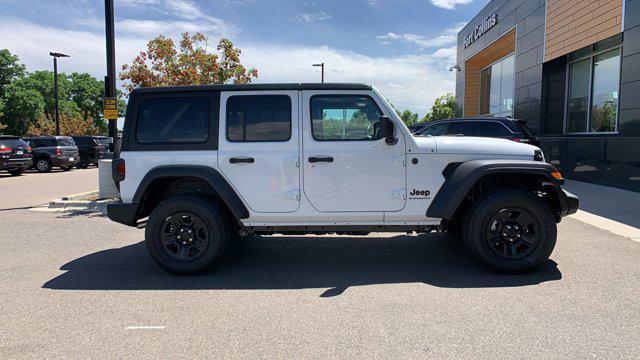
513,233
184,236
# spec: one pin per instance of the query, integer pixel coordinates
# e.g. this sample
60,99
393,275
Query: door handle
243,160
317,159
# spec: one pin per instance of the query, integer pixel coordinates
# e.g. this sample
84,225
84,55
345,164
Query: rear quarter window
173,120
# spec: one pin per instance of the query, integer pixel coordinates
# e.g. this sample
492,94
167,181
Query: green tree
164,65
444,107
409,118
10,70
22,107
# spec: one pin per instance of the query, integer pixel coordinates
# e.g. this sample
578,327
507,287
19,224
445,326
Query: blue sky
403,47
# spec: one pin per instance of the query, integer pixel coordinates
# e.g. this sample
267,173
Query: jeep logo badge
416,192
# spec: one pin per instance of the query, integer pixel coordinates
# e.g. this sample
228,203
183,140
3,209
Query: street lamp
56,55
321,66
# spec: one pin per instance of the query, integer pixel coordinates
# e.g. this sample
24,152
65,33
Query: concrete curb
79,195
609,225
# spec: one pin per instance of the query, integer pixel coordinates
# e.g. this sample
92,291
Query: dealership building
571,68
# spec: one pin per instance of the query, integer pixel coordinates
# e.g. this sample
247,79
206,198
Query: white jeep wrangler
210,164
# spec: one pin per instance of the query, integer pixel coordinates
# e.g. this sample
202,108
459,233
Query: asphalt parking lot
76,285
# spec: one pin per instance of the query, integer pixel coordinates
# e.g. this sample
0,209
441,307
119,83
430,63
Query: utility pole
110,79
55,87
322,67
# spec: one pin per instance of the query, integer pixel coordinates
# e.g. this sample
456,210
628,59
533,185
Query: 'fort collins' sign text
479,30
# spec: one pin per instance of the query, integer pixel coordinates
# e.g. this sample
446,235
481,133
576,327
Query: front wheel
186,235
510,230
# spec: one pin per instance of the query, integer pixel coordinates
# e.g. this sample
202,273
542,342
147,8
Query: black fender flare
208,174
466,175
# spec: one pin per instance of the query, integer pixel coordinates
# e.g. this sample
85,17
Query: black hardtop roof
256,87
495,118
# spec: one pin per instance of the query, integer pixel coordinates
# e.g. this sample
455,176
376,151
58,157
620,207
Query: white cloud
450,4
310,17
447,37
408,81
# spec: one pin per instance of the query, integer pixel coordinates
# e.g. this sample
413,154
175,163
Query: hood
481,146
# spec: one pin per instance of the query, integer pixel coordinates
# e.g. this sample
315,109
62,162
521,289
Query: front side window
173,120
497,88
344,117
259,118
593,91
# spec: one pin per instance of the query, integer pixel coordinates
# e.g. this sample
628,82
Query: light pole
322,67
56,55
110,80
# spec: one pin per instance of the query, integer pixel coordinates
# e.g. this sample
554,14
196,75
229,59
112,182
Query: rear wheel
43,165
16,172
510,230
84,162
186,235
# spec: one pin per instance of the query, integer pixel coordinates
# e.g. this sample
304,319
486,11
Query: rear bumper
64,161
569,203
12,164
123,213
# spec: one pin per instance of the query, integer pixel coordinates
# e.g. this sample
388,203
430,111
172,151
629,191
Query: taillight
121,170
5,149
58,152
29,149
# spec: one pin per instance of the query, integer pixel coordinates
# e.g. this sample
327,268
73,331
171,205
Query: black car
15,155
92,149
496,127
53,151
417,127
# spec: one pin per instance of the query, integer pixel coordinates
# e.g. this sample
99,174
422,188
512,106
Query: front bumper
568,203
123,213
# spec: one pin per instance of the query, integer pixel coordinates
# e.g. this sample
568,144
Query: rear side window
173,120
489,129
258,118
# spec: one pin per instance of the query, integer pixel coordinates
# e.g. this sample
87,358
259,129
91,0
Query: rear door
259,148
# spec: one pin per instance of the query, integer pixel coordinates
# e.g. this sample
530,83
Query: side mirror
386,130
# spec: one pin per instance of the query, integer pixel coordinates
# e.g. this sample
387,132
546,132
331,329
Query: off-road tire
482,219
217,234
16,172
43,165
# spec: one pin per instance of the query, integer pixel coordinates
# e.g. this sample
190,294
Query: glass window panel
348,117
507,86
579,75
259,118
168,120
435,129
606,80
485,82
494,88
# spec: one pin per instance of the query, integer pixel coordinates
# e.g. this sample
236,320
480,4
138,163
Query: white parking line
145,327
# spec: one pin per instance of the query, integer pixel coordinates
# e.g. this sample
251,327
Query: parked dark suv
496,127
15,155
92,149
53,151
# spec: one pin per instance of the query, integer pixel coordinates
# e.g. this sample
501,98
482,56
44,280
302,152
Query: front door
346,165
259,148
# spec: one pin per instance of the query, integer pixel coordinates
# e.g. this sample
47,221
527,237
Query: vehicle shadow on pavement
280,262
